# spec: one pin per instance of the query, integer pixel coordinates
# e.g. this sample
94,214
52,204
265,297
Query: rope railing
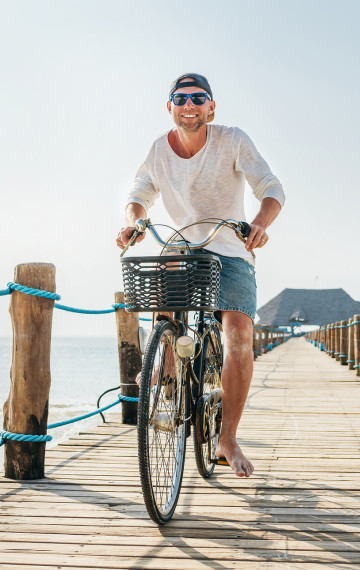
340,340
4,435
7,435
47,295
34,322
30,318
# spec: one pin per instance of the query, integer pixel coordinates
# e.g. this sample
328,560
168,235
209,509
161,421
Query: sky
84,85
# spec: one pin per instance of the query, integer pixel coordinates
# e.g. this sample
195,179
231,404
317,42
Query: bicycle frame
195,385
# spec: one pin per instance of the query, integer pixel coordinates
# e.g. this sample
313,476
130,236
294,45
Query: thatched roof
308,306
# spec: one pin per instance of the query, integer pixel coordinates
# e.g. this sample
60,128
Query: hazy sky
84,85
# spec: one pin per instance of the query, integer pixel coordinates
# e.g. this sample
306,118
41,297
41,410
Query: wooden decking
299,510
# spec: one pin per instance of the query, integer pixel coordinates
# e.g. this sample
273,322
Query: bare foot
235,457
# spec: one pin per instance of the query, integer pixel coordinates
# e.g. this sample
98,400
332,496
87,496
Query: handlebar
241,229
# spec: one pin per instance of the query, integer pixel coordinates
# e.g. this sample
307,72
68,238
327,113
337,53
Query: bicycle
180,384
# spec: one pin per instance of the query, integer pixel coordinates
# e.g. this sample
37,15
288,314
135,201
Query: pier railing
340,340
32,300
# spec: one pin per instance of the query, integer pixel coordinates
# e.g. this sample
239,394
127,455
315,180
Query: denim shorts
237,285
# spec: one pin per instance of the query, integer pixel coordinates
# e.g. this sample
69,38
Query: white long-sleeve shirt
210,184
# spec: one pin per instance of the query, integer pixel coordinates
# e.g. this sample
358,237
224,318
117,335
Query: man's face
190,117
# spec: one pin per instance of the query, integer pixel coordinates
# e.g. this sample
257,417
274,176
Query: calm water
81,369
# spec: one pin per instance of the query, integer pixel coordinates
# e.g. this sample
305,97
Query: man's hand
257,237
124,236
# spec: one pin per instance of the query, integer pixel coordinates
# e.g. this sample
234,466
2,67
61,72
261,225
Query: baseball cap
197,81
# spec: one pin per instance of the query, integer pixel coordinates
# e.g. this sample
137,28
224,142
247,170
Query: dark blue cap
197,81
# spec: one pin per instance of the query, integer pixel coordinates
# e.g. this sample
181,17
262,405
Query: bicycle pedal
219,461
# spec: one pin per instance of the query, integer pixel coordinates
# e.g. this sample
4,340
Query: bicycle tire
211,380
161,423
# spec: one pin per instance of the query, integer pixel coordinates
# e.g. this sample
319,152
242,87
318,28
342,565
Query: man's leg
236,378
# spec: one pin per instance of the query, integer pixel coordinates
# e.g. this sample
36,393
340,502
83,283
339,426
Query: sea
82,368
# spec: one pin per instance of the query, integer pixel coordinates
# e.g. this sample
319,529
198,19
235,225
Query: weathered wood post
265,341
129,358
326,342
26,409
332,341
356,327
332,346
351,345
343,356
337,341
255,354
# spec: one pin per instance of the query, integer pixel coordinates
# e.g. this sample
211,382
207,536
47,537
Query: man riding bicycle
200,170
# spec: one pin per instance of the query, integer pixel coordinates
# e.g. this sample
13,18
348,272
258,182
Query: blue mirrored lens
196,98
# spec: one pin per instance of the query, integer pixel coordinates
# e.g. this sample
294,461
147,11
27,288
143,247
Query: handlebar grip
245,229
136,233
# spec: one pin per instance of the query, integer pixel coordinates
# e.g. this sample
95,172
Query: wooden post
129,358
255,355
337,341
26,409
351,346
356,327
343,356
266,340
332,346
326,347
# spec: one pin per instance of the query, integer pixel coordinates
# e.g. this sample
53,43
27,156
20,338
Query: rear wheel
161,423
208,410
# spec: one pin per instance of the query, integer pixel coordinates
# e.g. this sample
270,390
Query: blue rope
35,292
73,420
89,312
5,292
48,295
351,361
357,366
4,435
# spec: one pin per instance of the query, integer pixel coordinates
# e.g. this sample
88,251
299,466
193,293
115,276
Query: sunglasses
180,99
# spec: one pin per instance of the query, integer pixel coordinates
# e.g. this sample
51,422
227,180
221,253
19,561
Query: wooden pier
300,509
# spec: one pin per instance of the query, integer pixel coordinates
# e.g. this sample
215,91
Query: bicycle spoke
211,381
165,442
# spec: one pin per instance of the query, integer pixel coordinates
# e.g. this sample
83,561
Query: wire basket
171,283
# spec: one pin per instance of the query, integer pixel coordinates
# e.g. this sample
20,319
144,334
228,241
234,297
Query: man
200,171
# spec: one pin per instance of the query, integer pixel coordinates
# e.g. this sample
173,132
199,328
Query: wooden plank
112,553
56,541
342,532
154,563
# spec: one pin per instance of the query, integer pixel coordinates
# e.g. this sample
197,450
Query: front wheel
161,423
209,409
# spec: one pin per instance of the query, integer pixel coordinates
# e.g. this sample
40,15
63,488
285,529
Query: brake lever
240,236
131,241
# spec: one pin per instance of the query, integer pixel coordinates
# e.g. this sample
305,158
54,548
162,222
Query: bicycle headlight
185,347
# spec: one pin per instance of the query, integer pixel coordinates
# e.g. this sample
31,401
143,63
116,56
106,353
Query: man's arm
269,210
133,212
